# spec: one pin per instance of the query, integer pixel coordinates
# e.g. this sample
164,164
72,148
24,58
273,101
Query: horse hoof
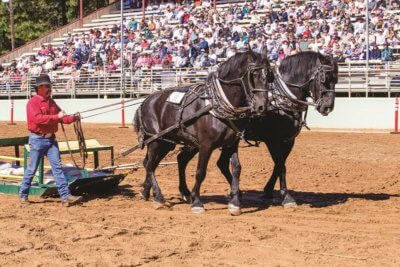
234,210
289,205
198,210
161,205
185,198
142,196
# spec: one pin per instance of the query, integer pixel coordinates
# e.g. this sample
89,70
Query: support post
11,9
396,116
12,113
123,115
143,9
81,13
122,48
366,48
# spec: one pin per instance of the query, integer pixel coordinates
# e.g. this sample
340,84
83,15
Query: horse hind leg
156,151
145,192
183,158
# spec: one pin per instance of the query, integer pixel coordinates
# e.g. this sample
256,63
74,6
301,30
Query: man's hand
61,114
77,116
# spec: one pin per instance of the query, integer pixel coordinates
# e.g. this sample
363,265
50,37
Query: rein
81,143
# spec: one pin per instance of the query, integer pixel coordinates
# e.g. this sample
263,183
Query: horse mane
236,65
233,66
300,66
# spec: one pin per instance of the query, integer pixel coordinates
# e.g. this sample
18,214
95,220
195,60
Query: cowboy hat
43,79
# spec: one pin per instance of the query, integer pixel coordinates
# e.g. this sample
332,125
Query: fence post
123,115
151,80
12,113
122,82
349,78
131,78
396,116
366,81
387,78
98,83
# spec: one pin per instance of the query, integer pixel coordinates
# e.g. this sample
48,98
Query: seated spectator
144,61
206,62
157,61
133,24
111,66
375,53
387,53
184,35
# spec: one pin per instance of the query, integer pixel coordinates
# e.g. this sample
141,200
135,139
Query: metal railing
354,80
102,83
380,79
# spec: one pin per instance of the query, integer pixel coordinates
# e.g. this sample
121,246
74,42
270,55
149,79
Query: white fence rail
354,80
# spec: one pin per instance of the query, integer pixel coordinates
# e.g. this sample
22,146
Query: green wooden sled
80,182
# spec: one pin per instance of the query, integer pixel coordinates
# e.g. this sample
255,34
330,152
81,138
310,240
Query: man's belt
49,135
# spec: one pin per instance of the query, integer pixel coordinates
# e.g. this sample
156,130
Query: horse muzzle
324,109
259,110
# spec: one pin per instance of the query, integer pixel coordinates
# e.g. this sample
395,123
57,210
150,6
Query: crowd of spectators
190,34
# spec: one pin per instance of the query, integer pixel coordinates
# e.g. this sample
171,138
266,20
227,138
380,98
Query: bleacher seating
66,59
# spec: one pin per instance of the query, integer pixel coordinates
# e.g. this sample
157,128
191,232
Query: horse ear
251,52
264,52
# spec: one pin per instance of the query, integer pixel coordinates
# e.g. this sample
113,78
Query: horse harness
222,108
281,99
216,103
284,102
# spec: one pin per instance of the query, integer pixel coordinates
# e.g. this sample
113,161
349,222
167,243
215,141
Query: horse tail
136,120
138,126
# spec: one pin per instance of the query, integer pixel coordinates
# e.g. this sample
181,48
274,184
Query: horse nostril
260,108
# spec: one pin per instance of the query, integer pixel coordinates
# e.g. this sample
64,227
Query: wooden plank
91,145
13,141
11,158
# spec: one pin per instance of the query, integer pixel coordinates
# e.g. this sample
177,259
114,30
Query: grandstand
182,43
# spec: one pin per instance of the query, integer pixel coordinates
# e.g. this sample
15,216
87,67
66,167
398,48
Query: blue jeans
39,147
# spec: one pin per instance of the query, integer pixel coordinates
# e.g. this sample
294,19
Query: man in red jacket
43,116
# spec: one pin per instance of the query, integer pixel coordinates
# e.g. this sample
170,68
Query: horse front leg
235,203
204,157
183,158
230,154
287,200
279,151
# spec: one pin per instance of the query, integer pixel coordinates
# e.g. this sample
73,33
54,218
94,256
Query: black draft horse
306,74
235,91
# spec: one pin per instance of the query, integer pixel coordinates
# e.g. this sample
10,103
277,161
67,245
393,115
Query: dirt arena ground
347,186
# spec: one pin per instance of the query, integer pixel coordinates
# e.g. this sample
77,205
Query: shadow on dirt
320,200
254,199
126,191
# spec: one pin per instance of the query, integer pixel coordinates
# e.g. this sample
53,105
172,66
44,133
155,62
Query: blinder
266,76
250,90
319,80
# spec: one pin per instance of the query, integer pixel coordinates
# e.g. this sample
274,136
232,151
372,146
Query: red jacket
42,115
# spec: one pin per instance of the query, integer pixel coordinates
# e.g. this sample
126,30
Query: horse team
248,100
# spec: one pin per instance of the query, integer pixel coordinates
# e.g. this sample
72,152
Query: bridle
318,78
222,108
250,89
